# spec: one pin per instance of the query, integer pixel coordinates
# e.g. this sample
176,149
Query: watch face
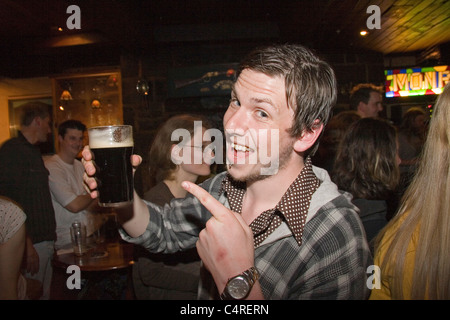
238,287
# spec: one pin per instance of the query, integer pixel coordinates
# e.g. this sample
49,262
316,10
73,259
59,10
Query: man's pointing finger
207,200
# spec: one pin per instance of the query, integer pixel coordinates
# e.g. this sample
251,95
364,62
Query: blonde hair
424,208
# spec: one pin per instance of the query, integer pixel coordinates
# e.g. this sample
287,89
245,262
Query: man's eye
235,102
262,114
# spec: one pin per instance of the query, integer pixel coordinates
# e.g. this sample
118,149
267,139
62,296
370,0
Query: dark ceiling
29,29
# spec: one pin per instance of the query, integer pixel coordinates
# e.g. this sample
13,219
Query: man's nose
238,121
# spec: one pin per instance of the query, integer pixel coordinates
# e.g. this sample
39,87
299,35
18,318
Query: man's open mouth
238,147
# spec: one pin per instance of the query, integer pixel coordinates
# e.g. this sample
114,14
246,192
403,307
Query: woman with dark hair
367,167
332,135
171,161
165,173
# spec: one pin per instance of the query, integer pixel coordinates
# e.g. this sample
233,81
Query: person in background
367,166
69,197
333,134
171,276
412,251
367,100
412,134
24,179
267,228
12,246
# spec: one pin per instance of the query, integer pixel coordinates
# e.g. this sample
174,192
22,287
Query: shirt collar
292,207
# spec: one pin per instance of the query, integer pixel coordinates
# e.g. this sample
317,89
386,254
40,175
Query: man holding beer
286,235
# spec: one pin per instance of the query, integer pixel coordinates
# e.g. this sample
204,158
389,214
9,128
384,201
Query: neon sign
416,81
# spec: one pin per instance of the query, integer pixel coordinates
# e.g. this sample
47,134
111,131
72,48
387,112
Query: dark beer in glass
112,147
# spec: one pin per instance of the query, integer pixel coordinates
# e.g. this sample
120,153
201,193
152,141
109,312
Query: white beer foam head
110,137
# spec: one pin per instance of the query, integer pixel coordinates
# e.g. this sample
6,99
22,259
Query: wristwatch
239,287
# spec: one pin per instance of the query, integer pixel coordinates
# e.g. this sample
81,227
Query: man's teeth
239,147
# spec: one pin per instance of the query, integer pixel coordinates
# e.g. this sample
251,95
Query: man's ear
36,121
308,138
361,107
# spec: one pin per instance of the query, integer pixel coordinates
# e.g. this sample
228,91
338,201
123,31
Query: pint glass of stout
111,148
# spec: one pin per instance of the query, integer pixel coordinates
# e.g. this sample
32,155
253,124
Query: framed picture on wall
15,105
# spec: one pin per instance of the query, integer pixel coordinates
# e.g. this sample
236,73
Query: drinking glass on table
99,235
78,236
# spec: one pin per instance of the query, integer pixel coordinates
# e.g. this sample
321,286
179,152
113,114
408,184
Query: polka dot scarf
292,208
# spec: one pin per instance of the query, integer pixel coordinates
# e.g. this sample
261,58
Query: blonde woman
412,251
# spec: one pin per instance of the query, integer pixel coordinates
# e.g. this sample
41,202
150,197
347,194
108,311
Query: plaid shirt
330,263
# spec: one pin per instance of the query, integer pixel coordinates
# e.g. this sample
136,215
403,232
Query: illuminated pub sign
416,81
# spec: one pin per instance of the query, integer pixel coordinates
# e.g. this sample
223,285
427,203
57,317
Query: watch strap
252,274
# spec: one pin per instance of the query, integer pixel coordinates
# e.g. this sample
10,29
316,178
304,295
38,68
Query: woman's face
199,163
420,123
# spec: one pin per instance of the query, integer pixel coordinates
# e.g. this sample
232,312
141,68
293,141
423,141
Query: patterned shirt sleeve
176,226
